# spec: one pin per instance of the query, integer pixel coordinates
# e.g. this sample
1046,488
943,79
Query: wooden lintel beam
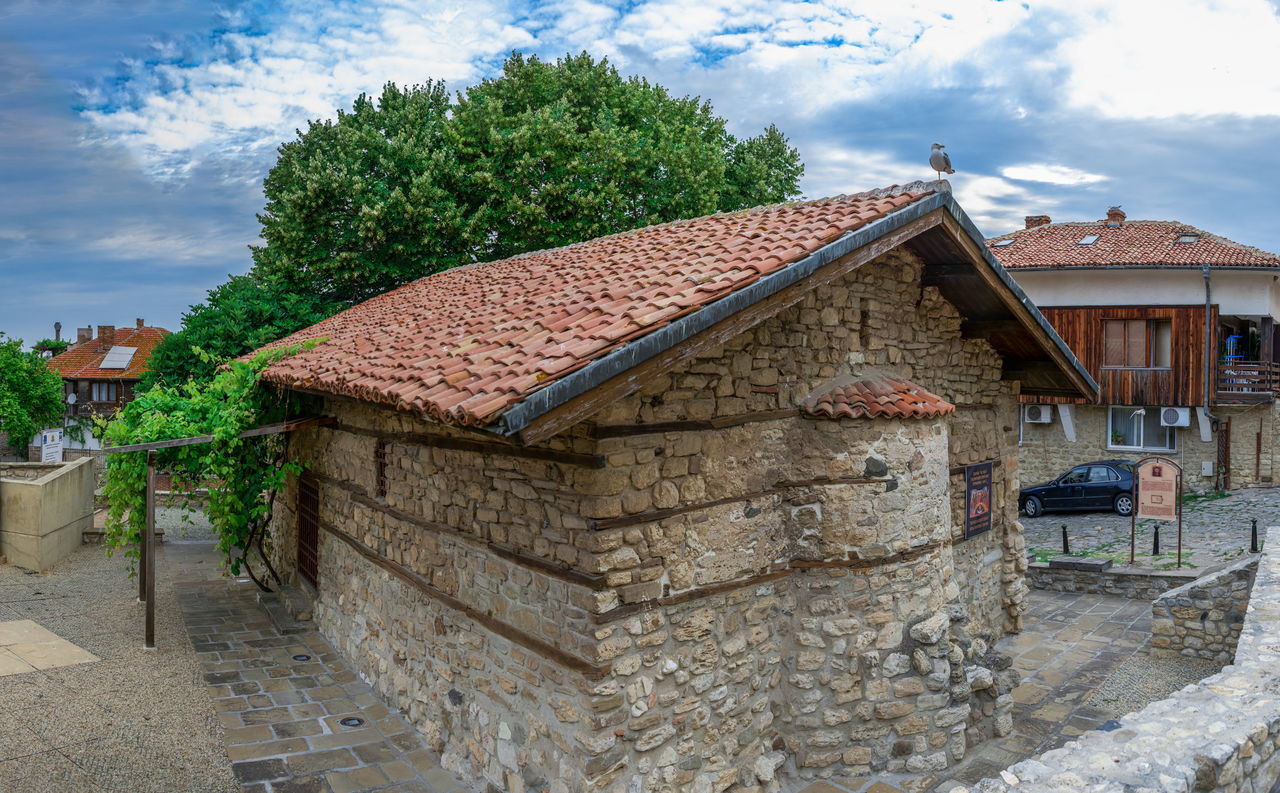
1019,369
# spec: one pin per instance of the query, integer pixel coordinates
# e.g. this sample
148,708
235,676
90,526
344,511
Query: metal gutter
637,352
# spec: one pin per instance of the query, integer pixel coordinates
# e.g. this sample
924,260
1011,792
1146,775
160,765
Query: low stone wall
1220,734
1203,618
44,509
1121,582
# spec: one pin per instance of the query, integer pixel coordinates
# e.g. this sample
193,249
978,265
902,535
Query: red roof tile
83,361
464,345
877,395
1134,242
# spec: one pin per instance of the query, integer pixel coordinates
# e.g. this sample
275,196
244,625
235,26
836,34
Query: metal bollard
1253,537
1155,541
1066,546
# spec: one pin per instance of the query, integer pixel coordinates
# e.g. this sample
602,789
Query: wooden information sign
1157,485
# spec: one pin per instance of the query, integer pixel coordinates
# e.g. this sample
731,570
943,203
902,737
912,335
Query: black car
1104,484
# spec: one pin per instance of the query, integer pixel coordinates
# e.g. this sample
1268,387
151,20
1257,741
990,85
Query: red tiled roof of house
1133,242
875,394
464,345
84,360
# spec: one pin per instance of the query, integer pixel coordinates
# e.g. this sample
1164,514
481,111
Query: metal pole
142,542
1179,519
149,553
1253,537
1133,513
1066,546
1155,540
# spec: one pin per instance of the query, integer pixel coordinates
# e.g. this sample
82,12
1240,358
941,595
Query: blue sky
136,132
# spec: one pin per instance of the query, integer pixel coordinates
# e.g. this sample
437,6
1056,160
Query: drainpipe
1209,371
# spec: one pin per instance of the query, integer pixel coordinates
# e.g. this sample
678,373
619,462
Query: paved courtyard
1213,531
225,704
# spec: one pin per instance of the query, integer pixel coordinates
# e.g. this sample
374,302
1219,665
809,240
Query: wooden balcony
1247,382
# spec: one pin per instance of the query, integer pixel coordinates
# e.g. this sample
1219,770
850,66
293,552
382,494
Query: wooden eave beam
986,328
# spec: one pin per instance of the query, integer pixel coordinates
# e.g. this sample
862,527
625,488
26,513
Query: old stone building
682,508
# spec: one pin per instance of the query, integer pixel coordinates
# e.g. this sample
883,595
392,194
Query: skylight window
1003,244
1188,238
1088,239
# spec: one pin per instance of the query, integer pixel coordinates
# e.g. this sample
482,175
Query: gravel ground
137,720
1144,679
1214,531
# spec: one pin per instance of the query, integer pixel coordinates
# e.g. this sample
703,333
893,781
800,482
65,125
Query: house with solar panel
1178,327
700,506
99,373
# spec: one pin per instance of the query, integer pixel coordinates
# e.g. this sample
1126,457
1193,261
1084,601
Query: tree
30,393
51,347
237,318
544,155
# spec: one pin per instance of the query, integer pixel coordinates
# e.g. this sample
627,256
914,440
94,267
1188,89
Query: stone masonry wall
1218,735
1202,619
1136,584
695,604
1046,453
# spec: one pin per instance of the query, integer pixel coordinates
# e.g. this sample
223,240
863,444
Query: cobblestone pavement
1083,660
134,721
1213,531
297,719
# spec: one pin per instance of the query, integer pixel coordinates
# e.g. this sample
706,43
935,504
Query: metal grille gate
308,528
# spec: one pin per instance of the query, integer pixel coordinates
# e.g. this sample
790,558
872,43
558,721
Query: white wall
1239,293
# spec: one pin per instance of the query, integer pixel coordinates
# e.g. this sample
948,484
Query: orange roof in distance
1131,242
84,360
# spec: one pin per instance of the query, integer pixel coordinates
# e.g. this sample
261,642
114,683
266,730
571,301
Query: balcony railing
1248,381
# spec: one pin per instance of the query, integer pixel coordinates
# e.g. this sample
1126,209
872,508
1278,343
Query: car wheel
1032,507
1124,504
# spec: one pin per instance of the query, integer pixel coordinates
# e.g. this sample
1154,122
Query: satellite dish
71,399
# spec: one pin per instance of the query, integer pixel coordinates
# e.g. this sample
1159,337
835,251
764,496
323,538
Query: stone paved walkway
296,718
1213,531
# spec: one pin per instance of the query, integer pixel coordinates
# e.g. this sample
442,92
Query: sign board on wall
977,498
1157,490
51,446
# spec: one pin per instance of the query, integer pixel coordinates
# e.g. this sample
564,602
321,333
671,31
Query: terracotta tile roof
875,394
464,345
85,360
1134,242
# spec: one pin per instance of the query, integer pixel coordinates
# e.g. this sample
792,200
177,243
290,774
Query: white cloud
997,205
1050,174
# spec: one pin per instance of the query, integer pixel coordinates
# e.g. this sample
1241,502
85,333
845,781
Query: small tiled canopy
875,394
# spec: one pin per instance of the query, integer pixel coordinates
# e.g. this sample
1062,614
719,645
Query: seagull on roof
940,161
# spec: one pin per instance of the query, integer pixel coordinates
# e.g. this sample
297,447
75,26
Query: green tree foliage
241,474
51,346
237,318
30,393
546,154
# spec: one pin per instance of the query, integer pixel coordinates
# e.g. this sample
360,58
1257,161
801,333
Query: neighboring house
1177,325
684,507
102,371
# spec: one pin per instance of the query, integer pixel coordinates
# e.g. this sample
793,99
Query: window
1186,239
1101,473
1003,244
1132,427
1076,476
1137,343
1088,239
104,392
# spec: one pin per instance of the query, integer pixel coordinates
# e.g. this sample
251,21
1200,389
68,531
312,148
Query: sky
135,134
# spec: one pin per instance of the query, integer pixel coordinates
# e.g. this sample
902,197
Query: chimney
106,336
142,323
1037,220
57,331
84,334
1115,217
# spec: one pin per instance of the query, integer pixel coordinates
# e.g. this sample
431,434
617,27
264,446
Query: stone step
281,617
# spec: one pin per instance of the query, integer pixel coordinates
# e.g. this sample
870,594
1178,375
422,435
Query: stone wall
1137,584
1220,734
701,588
1202,619
1045,452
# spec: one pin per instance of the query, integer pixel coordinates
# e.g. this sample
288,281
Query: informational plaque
1157,490
51,446
977,498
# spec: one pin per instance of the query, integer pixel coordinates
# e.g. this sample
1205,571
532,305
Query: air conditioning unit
1038,414
1175,417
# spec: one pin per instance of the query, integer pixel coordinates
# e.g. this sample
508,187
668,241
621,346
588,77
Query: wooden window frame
1148,347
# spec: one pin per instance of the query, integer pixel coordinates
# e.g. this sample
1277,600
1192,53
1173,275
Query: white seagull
940,161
